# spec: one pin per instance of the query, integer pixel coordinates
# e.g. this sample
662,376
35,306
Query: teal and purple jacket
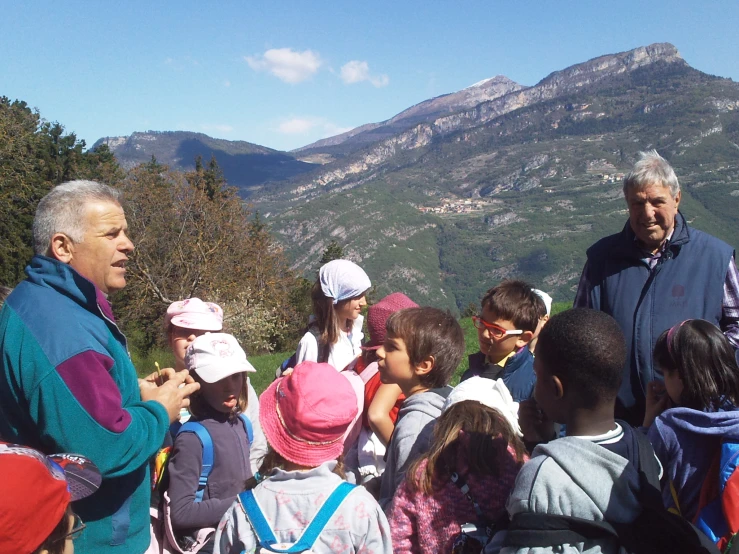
67,384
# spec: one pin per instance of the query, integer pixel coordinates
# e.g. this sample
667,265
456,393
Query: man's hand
535,425
657,402
173,394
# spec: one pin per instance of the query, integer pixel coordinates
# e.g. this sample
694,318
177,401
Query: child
702,380
187,319
594,472
305,415
381,401
335,336
35,505
421,351
509,318
476,442
545,310
217,362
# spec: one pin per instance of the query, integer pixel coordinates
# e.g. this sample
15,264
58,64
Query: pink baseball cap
193,313
306,414
377,315
214,356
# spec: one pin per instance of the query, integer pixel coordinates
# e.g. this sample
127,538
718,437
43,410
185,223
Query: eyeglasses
496,331
77,527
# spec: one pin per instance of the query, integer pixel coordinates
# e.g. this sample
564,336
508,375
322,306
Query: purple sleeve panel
87,376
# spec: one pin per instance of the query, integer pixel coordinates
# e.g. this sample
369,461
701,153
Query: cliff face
482,103
424,112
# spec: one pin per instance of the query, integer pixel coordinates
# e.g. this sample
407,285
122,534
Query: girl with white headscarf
335,331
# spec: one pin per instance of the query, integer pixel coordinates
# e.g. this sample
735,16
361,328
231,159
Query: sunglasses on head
496,331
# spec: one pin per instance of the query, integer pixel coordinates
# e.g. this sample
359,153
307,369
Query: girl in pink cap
304,416
187,319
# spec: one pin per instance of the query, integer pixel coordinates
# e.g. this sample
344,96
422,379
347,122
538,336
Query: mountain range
501,180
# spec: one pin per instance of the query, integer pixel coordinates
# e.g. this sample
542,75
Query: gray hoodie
572,476
411,437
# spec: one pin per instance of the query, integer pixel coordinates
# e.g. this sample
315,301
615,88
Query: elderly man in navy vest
655,273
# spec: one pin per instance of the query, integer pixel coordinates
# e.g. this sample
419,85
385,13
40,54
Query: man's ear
559,390
426,365
524,339
61,248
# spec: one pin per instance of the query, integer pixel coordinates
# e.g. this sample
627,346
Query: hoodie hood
429,403
575,477
721,424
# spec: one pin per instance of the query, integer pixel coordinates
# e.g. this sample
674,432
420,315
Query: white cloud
357,71
309,124
296,126
227,83
217,127
287,64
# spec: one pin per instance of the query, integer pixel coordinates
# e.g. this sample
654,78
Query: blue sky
284,74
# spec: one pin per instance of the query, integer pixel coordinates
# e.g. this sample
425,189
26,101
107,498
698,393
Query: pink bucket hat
193,313
214,356
377,315
306,414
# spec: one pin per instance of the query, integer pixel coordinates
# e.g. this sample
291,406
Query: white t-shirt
341,353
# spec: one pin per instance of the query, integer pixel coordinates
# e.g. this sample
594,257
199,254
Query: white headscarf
342,279
545,298
491,393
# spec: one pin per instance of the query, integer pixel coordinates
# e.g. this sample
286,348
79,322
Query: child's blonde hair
487,438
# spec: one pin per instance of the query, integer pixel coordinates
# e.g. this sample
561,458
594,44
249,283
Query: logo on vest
678,297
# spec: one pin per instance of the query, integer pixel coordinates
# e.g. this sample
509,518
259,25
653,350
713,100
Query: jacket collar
680,236
51,273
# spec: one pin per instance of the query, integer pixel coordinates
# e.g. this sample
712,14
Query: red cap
35,494
377,315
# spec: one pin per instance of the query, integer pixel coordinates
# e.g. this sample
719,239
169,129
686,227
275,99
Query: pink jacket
422,523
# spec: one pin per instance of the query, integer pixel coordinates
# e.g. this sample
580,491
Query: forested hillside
193,234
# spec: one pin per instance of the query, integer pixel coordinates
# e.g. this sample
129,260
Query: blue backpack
266,536
201,432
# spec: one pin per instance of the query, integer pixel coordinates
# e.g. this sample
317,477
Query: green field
266,364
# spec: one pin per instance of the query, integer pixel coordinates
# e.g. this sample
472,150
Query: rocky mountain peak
610,65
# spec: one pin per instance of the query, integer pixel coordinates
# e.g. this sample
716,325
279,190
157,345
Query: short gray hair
652,169
63,211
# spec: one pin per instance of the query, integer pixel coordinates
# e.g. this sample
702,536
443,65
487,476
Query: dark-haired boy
593,472
509,318
421,351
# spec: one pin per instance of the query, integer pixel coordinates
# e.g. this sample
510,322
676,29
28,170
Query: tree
34,156
195,241
333,252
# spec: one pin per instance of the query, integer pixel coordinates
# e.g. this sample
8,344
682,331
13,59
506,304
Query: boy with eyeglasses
36,514
507,323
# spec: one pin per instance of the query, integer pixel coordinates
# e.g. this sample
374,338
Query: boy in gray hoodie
594,472
422,349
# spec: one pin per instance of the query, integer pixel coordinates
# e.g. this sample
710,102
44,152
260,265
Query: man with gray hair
654,274
67,383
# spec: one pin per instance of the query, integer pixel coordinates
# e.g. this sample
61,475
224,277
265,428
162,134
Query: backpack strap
248,426
544,530
323,349
202,433
266,536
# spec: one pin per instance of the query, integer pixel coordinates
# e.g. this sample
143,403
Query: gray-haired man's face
102,255
652,212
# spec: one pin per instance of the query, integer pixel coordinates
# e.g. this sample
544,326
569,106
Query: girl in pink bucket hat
299,500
